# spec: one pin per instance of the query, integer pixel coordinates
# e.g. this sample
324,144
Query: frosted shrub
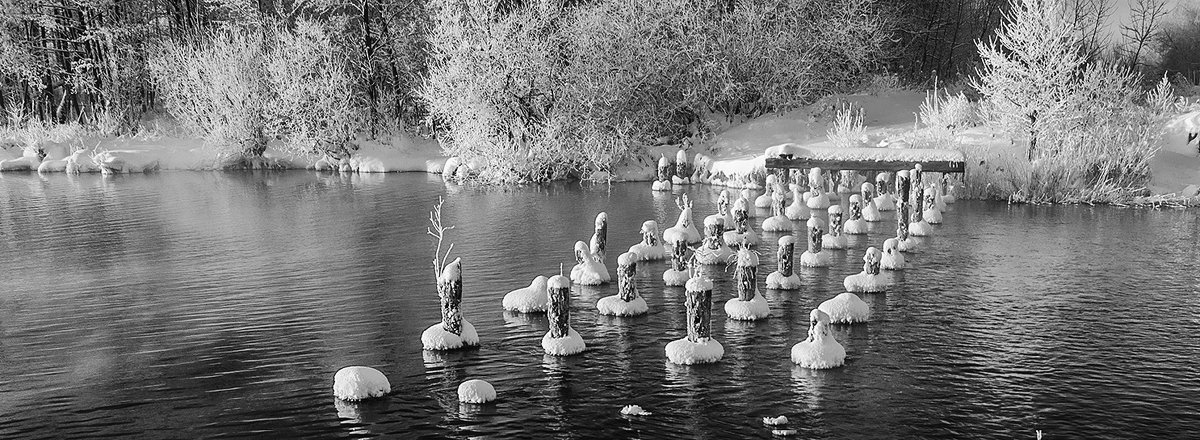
1029,69
216,87
544,91
847,129
943,111
313,106
1088,138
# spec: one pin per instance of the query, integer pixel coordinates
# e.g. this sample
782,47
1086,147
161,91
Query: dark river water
209,305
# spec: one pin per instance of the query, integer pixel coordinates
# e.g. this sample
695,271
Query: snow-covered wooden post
786,255
679,260
902,208
816,230
881,183
683,170
918,189
741,218
699,309
666,169
449,286
855,208
835,221
626,268
600,237
746,275
868,192
558,310
871,261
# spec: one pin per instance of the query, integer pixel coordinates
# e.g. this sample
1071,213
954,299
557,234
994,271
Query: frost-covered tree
1029,68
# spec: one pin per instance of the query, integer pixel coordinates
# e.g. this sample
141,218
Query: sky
1121,13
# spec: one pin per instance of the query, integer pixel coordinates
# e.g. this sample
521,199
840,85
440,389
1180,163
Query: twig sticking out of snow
438,231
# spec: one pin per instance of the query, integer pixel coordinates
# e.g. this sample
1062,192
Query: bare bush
546,91
847,130
217,87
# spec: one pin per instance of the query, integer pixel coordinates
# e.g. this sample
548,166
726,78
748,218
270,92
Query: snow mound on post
360,383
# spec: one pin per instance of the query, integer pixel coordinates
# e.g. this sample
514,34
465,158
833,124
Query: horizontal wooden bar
936,166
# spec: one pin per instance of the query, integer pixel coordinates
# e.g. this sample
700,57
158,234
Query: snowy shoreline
734,157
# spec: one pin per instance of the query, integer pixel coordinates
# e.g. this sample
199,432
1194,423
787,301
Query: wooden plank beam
936,166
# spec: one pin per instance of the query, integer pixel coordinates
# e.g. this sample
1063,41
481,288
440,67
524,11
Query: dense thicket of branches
70,60
507,78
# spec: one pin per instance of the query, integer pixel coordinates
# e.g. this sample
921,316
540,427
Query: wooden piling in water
918,193
785,255
699,309
449,286
600,237
902,208
626,268
747,274
558,312
679,256
816,230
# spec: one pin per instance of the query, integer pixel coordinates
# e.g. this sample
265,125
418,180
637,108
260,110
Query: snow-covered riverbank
734,156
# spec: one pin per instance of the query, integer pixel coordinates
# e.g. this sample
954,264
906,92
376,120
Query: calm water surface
202,305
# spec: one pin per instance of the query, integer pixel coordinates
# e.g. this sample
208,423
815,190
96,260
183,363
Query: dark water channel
205,305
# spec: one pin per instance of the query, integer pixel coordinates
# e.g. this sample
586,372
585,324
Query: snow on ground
734,157
1176,166
137,153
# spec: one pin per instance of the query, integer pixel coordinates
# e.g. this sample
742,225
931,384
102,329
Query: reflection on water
221,304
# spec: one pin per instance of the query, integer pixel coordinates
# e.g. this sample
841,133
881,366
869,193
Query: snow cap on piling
452,271
814,222
855,199
772,179
835,209
649,226
601,219
872,254
746,258
559,282
902,173
740,204
814,174
868,187
681,156
697,284
891,244
627,258
664,162
714,220
786,240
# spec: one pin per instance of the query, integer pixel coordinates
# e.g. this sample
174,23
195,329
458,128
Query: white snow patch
476,391
753,310
613,305
529,299
568,345
437,338
846,308
359,383
685,352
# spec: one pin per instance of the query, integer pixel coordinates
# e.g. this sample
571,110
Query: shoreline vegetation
514,92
